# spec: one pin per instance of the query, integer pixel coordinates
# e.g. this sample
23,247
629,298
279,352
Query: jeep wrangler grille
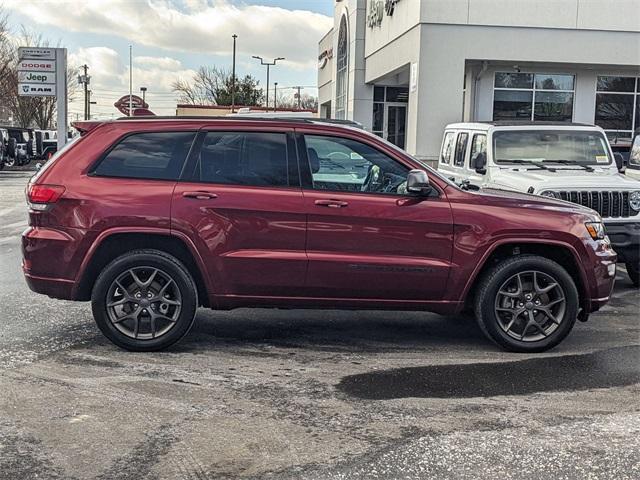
607,204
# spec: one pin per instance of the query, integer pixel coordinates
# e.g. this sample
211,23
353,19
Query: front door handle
200,195
331,203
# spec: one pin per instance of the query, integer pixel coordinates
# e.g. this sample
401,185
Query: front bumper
625,239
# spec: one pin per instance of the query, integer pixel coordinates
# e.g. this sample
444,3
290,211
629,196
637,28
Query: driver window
478,146
341,164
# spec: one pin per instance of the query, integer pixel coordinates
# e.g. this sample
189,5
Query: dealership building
406,68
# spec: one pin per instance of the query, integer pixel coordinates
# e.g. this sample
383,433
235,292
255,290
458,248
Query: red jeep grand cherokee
151,218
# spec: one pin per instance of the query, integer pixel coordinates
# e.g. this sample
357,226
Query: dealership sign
133,101
36,90
36,77
42,72
37,53
30,65
377,9
324,57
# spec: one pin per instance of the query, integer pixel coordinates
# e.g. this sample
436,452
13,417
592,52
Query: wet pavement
308,394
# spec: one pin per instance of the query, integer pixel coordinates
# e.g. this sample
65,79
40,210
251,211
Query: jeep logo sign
36,77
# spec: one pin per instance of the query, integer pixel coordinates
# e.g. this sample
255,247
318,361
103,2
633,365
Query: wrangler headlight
634,200
550,194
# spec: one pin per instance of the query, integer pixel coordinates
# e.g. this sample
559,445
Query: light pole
275,96
233,76
268,64
144,91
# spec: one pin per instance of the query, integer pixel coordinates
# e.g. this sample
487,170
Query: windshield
551,146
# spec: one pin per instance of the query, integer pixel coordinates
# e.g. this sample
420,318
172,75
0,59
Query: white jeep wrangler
571,162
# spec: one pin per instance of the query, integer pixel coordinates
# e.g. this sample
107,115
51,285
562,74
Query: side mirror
418,182
620,163
480,163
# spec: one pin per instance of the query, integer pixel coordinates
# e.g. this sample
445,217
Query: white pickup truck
571,162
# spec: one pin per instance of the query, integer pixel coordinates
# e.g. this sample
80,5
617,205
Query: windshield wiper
569,162
520,161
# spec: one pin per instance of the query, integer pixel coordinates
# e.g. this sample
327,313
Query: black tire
487,298
168,266
633,270
10,161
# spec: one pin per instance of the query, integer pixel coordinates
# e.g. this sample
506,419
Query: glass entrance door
395,120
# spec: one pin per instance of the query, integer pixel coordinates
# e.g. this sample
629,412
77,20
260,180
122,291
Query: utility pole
268,64
130,80
84,80
275,96
233,76
299,97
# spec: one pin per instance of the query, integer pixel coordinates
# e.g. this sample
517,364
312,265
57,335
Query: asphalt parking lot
316,394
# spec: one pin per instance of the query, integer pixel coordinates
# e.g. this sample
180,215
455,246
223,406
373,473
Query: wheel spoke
122,301
136,279
547,313
128,316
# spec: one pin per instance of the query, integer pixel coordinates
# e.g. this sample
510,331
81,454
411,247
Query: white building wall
583,37
446,48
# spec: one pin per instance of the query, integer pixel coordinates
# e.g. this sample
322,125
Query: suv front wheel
527,304
144,300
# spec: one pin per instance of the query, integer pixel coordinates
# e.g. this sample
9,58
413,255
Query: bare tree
213,85
288,100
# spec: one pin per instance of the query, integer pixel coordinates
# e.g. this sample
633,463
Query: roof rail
251,118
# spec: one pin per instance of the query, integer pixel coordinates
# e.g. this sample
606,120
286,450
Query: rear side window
447,148
461,149
244,158
156,156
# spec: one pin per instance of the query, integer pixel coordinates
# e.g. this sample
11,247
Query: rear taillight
40,197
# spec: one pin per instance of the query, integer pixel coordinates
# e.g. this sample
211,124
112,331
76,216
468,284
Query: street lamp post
233,76
275,96
268,64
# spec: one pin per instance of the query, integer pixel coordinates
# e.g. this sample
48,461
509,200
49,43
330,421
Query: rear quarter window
155,156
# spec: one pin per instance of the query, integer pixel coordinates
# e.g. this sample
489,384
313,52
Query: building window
342,63
533,96
618,106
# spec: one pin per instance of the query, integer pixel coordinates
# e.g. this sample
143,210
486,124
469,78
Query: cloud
166,63
110,79
191,25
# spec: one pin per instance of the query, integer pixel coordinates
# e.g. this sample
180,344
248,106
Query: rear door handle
331,203
200,195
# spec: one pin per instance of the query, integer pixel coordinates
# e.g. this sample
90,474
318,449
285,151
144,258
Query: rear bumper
52,287
49,260
625,239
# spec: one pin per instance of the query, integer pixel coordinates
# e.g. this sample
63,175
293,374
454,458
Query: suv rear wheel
144,300
527,304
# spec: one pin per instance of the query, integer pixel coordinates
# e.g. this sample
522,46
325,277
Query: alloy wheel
144,303
530,306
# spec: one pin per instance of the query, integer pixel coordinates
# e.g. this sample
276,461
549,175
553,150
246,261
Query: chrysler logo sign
377,9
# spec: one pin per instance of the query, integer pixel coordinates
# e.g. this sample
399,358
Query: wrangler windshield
549,146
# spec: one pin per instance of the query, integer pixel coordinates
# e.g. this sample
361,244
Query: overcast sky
171,38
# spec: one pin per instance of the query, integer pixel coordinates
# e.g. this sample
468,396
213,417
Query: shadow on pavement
603,369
